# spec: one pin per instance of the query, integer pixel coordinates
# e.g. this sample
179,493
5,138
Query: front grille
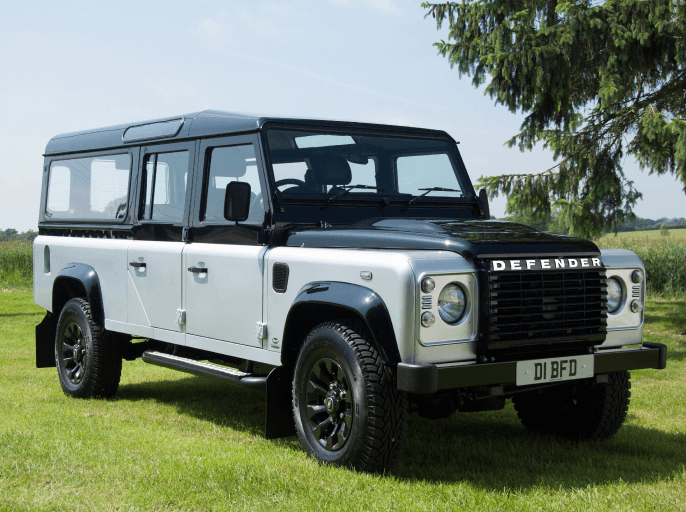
547,307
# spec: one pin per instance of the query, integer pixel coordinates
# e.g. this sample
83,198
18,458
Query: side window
227,164
164,186
59,189
91,188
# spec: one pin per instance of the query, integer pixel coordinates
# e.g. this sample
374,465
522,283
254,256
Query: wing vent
280,277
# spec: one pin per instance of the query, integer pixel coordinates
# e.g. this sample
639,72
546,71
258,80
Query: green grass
174,442
16,265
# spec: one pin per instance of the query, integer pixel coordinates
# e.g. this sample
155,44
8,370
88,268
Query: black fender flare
84,279
360,300
74,280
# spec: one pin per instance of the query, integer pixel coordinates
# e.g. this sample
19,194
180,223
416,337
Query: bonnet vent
280,277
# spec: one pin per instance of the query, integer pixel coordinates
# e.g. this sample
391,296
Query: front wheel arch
327,301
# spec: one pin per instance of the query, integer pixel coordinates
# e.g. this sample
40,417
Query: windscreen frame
332,128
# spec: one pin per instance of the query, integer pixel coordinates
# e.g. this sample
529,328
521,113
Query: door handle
198,270
137,264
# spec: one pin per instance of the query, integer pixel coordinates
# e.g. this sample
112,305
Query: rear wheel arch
78,280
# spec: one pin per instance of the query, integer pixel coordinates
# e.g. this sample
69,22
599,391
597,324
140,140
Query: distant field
16,265
642,238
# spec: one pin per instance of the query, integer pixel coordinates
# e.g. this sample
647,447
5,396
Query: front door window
227,164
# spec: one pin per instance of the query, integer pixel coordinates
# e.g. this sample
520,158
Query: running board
208,370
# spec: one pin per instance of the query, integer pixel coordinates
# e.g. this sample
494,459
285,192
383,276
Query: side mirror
237,201
483,199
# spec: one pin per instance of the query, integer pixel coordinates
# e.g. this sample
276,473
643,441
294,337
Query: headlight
452,303
614,295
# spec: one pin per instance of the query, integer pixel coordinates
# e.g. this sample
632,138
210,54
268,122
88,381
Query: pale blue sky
75,65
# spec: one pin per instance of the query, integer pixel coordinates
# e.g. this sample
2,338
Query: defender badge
546,264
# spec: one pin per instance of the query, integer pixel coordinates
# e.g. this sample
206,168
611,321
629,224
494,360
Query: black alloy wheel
73,354
88,359
330,404
346,405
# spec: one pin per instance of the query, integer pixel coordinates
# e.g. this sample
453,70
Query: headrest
330,170
230,162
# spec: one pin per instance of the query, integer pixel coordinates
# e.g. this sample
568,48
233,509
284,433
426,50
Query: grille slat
503,311
550,322
518,307
531,307
280,277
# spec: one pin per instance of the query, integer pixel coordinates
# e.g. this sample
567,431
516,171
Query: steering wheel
290,181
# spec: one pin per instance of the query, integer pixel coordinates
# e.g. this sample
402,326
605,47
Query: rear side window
164,187
93,188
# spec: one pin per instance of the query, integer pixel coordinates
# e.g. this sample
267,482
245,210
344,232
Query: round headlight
452,303
614,295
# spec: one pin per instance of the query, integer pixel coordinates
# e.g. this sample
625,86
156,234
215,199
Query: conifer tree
597,81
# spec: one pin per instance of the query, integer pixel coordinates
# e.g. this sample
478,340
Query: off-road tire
102,371
578,411
380,412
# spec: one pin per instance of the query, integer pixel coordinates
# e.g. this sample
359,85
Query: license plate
554,369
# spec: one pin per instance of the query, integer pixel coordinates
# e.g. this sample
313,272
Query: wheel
577,411
88,360
346,406
297,182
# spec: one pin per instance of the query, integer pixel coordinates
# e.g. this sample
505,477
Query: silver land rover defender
350,270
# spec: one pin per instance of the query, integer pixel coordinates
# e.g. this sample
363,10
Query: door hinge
186,235
181,316
260,331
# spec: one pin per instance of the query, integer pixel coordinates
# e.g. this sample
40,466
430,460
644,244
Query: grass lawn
174,442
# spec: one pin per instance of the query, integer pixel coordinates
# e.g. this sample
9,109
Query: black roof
199,124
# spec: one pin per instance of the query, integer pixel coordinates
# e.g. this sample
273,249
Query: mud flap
279,422
45,342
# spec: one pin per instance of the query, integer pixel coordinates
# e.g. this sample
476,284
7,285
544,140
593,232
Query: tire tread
106,364
388,409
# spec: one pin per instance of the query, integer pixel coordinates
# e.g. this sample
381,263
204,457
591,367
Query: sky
76,65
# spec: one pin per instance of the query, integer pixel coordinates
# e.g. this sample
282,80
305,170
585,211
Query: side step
209,370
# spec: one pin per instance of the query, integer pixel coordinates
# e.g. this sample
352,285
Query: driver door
223,267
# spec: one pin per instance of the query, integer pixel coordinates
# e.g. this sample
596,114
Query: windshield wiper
348,188
428,191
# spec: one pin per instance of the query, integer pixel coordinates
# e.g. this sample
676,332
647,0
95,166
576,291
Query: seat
326,170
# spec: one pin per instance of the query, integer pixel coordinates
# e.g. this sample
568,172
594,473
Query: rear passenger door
155,300
223,267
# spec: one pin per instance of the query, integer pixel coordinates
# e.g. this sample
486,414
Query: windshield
333,165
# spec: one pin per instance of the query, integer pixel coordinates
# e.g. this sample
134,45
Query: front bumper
429,378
